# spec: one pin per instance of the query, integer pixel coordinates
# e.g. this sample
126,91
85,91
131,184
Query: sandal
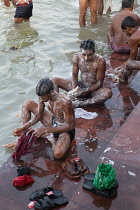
90,177
71,170
48,203
43,192
88,185
80,165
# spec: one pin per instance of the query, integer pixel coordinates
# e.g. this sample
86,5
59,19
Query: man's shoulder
65,103
63,98
99,57
123,13
117,15
77,54
76,57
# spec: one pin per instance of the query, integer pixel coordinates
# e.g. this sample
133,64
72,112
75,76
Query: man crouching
57,116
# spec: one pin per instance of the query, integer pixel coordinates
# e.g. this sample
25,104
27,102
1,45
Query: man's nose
86,57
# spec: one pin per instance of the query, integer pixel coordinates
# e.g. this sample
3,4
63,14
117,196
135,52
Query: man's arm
75,71
112,33
6,3
134,48
38,115
36,118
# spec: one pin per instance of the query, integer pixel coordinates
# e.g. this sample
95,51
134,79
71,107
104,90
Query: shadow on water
19,37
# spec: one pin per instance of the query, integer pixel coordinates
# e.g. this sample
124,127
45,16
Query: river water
46,45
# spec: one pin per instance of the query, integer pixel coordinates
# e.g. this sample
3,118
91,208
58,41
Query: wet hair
44,87
87,45
127,3
129,22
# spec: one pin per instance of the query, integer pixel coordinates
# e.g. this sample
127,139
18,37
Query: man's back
115,27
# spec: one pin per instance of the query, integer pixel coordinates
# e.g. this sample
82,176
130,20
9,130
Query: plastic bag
105,177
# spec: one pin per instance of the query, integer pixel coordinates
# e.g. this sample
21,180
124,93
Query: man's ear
128,28
51,92
132,7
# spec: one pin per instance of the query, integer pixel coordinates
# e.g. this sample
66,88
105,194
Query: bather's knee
54,80
58,154
107,93
93,12
27,103
82,13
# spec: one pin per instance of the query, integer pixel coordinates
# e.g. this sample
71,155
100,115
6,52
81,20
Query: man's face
87,55
45,98
128,31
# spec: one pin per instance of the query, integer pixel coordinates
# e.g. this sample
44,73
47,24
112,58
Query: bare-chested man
23,9
57,118
117,39
131,28
92,68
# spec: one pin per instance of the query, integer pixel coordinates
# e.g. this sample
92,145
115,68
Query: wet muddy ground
113,138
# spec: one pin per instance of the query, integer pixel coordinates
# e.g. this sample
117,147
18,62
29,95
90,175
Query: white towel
81,113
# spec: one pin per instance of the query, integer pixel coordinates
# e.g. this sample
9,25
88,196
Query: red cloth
22,180
25,141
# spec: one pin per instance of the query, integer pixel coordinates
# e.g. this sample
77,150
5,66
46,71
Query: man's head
44,88
129,25
127,4
88,49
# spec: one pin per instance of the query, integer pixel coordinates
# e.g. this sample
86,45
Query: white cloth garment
81,113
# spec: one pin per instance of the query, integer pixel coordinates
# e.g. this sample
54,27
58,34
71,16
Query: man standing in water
95,6
23,9
83,5
57,118
92,68
131,27
117,39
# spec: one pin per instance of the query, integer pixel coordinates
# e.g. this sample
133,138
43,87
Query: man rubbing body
91,67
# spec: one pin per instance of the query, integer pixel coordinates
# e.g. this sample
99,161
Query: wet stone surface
112,137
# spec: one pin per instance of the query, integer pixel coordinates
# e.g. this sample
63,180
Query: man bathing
23,9
131,28
57,116
117,39
92,68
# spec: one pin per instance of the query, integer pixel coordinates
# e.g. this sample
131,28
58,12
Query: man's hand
19,131
74,93
40,132
41,107
118,75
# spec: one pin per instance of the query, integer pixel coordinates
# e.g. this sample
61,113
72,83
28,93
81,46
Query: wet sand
113,137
